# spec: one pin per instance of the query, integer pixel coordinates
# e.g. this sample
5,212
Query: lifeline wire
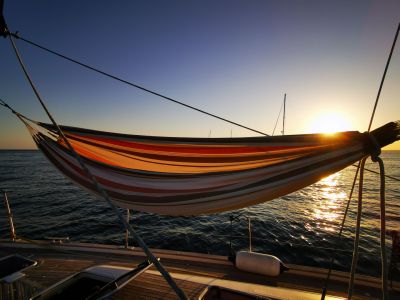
133,84
142,244
388,176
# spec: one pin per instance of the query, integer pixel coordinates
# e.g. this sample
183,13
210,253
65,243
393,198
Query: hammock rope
357,232
179,292
384,271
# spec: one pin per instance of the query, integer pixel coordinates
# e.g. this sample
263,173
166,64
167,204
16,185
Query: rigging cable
100,189
133,84
388,176
325,288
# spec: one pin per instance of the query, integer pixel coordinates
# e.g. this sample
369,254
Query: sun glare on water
330,123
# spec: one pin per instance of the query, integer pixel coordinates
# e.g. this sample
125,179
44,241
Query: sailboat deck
193,272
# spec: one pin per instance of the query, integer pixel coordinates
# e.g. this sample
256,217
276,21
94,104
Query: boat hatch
79,286
221,293
96,282
11,267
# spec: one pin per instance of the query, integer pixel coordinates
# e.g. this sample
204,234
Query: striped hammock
191,176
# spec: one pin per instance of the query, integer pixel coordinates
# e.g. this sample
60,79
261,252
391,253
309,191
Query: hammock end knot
373,146
381,137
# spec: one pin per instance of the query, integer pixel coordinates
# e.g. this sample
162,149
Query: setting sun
330,123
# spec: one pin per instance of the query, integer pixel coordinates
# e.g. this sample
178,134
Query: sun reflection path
327,209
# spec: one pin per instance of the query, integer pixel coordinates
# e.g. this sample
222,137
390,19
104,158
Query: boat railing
13,236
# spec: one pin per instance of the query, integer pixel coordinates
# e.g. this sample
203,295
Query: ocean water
300,228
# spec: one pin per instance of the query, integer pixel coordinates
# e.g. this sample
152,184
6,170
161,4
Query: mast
284,113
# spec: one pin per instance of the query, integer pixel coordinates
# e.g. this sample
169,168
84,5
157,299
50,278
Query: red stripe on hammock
189,149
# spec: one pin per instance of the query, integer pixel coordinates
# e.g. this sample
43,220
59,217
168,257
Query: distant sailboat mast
283,120
284,113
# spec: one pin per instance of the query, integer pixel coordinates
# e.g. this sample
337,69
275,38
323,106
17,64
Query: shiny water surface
300,228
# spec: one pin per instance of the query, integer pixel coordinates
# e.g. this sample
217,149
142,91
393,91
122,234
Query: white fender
259,263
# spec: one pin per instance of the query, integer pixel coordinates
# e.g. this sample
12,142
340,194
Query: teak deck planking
57,264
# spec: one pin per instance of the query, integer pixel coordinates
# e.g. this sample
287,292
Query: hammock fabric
191,176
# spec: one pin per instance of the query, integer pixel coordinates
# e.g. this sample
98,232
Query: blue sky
232,58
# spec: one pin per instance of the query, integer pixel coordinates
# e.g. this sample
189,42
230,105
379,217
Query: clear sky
232,58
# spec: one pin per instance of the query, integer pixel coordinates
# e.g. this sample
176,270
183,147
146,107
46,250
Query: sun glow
330,123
